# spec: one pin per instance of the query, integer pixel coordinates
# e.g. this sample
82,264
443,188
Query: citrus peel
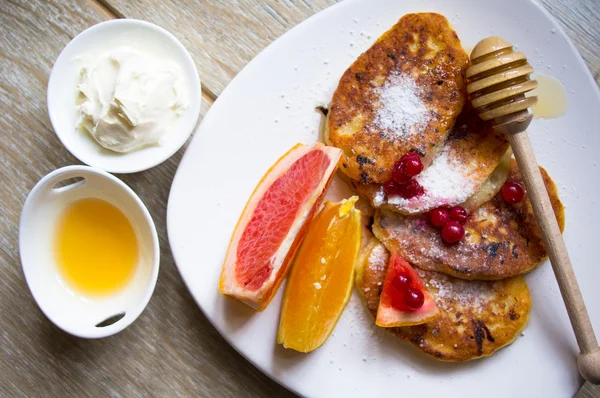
320,282
274,222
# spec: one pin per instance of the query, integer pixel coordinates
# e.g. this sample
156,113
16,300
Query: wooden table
171,349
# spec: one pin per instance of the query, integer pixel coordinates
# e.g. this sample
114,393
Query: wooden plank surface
224,35
172,348
238,30
588,391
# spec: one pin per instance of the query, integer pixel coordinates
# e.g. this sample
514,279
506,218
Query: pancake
491,186
501,240
476,318
471,153
404,93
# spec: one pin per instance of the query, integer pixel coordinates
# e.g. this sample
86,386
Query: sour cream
128,99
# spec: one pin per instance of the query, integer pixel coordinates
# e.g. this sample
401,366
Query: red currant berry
512,192
398,300
402,281
459,214
414,299
439,217
399,174
408,166
453,231
410,155
410,189
391,188
412,165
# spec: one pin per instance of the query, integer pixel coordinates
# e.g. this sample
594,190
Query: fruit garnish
439,217
404,300
320,282
450,221
398,173
407,167
410,189
453,231
412,164
414,299
402,182
391,188
459,214
402,281
274,222
512,192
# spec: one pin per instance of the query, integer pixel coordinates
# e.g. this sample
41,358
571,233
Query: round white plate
269,107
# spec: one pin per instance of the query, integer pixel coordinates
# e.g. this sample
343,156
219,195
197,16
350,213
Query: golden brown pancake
501,240
372,117
491,186
476,319
471,153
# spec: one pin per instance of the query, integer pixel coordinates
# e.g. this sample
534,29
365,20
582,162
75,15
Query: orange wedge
320,282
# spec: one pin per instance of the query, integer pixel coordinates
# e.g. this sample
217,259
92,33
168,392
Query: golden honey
552,97
96,247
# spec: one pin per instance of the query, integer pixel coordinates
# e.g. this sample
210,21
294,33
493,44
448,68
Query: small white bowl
62,93
88,317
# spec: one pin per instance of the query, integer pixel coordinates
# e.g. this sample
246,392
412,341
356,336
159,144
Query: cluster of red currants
402,182
403,296
451,221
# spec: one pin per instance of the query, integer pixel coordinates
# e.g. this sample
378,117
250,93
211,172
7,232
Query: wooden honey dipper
497,82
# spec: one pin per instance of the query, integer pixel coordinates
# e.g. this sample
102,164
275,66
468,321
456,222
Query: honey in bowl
96,247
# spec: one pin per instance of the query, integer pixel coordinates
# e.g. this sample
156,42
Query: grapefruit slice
320,283
274,221
397,314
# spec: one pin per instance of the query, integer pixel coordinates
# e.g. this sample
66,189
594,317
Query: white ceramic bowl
72,312
62,93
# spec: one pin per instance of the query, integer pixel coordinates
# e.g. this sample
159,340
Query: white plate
269,107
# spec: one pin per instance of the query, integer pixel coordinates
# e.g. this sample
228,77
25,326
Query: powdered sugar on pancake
446,182
378,259
400,110
452,293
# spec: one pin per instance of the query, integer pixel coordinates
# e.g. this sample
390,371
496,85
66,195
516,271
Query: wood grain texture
488,71
588,391
588,359
225,35
581,21
171,350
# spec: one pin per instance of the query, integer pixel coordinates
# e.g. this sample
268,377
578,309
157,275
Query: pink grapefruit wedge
390,315
274,222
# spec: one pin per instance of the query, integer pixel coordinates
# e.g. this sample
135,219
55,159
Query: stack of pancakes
407,93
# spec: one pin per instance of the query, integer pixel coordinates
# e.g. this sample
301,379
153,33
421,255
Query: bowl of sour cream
124,95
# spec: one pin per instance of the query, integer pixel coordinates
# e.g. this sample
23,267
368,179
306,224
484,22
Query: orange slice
390,316
274,221
320,282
